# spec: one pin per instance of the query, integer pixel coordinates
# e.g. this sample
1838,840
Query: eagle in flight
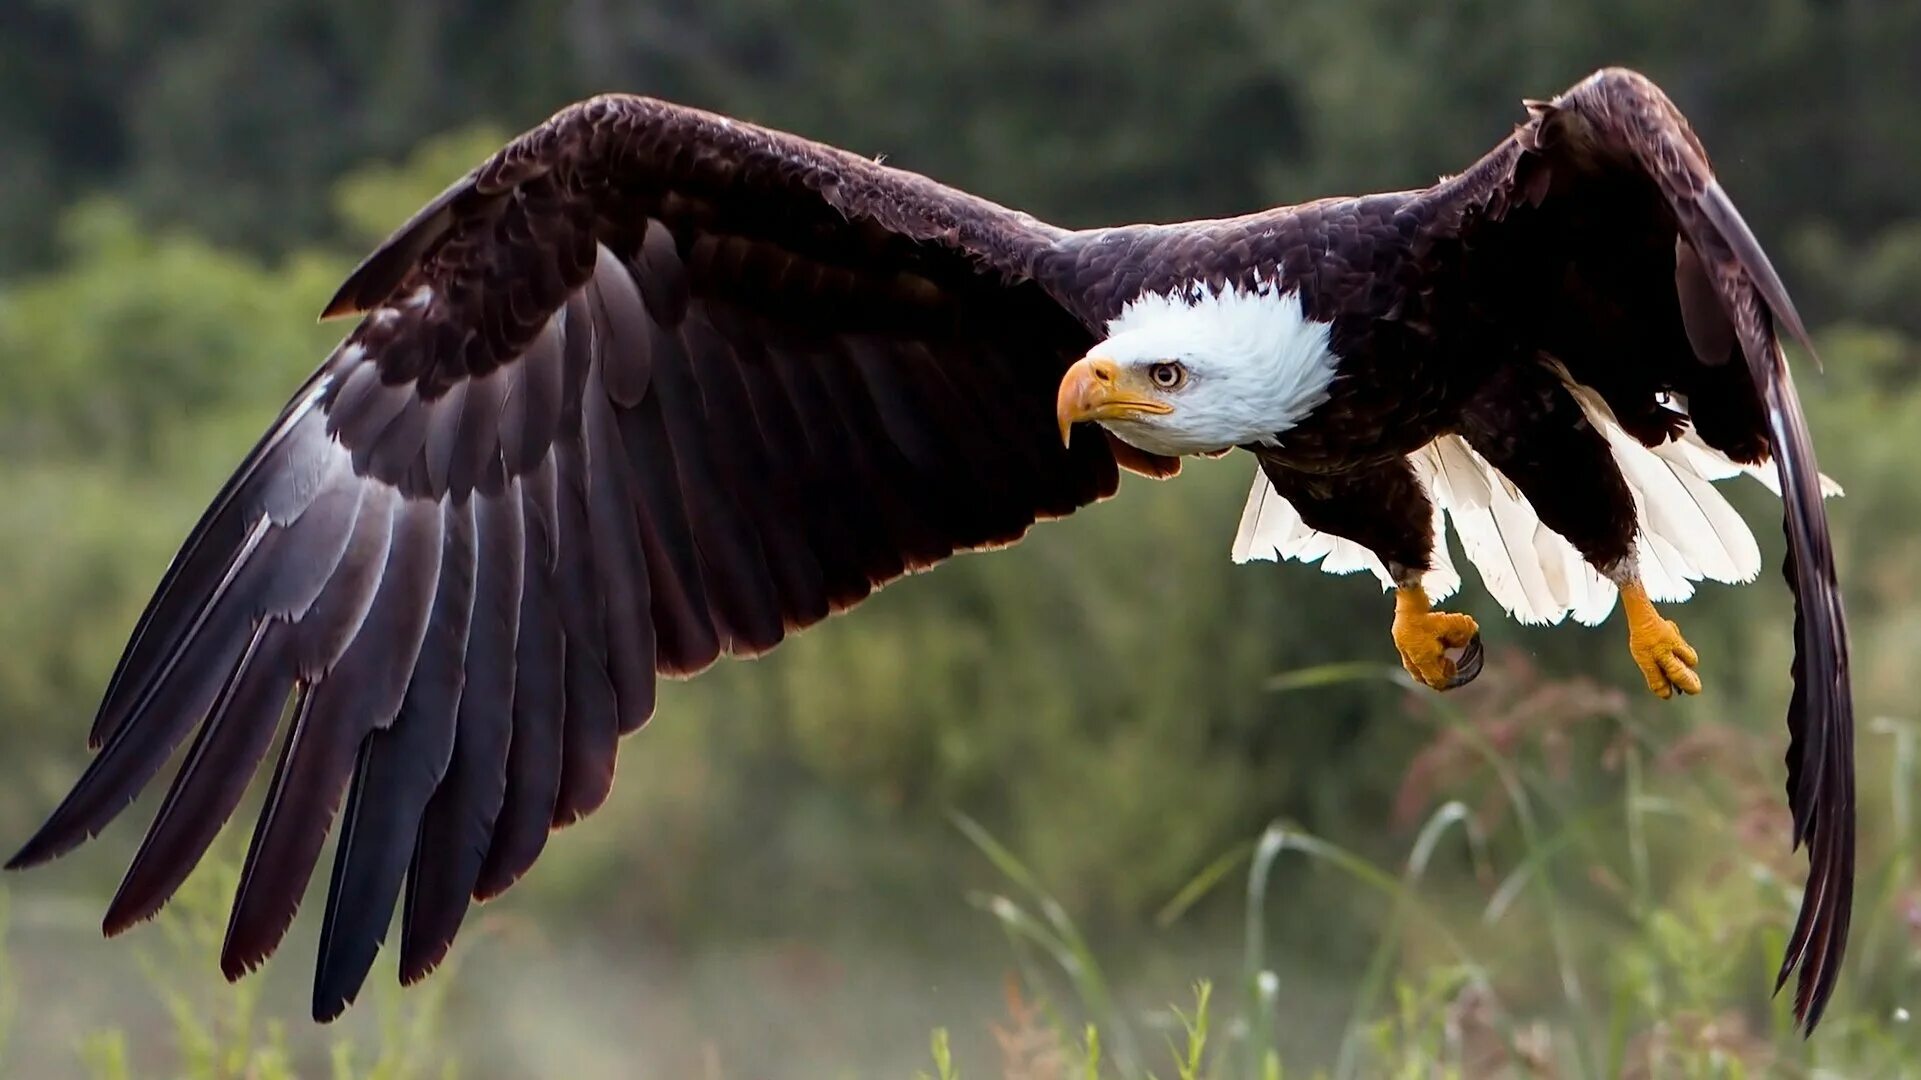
651,385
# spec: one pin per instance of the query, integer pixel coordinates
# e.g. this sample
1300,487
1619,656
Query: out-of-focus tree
238,116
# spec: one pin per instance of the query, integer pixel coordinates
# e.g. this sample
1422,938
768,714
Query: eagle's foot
1440,648
1665,658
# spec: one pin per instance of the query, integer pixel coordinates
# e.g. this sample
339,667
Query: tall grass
1659,910
216,1030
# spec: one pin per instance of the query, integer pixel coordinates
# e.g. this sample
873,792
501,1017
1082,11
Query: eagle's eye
1168,375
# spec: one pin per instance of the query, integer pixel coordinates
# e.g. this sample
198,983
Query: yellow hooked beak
1097,388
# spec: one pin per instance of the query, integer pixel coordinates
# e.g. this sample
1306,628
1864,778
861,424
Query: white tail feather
1271,529
1715,465
1676,501
1688,530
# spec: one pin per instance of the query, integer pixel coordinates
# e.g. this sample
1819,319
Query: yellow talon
1665,658
1425,638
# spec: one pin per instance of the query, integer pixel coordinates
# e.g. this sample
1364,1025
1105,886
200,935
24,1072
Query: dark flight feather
591,730
623,596
539,701
399,768
231,743
379,625
457,824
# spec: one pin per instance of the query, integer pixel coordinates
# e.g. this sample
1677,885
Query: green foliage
372,201
9,994
1189,1056
943,1058
237,118
140,329
1680,958
215,1030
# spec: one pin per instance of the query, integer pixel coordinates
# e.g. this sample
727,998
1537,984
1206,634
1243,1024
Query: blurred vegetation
1599,884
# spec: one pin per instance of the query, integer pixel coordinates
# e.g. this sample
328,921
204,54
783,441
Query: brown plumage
652,385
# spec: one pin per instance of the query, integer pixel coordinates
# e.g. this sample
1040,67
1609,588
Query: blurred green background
1549,874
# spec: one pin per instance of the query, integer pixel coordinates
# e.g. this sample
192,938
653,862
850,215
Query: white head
1195,371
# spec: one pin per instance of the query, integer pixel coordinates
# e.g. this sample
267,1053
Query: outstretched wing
648,386
1600,228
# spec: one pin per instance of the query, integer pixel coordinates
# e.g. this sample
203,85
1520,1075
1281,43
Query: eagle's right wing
648,386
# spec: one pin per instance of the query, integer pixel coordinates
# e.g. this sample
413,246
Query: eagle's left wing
1599,227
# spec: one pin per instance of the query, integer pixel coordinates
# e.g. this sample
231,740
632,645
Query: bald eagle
651,385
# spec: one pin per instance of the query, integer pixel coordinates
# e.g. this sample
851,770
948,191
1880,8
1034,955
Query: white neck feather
1257,364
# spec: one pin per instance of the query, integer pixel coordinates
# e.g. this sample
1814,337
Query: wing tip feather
415,969
54,839
127,910
337,984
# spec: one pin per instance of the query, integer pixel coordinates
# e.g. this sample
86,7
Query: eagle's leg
1665,658
1526,424
1384,508
1440,648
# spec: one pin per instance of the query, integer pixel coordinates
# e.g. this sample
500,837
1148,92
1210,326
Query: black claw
1469,665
